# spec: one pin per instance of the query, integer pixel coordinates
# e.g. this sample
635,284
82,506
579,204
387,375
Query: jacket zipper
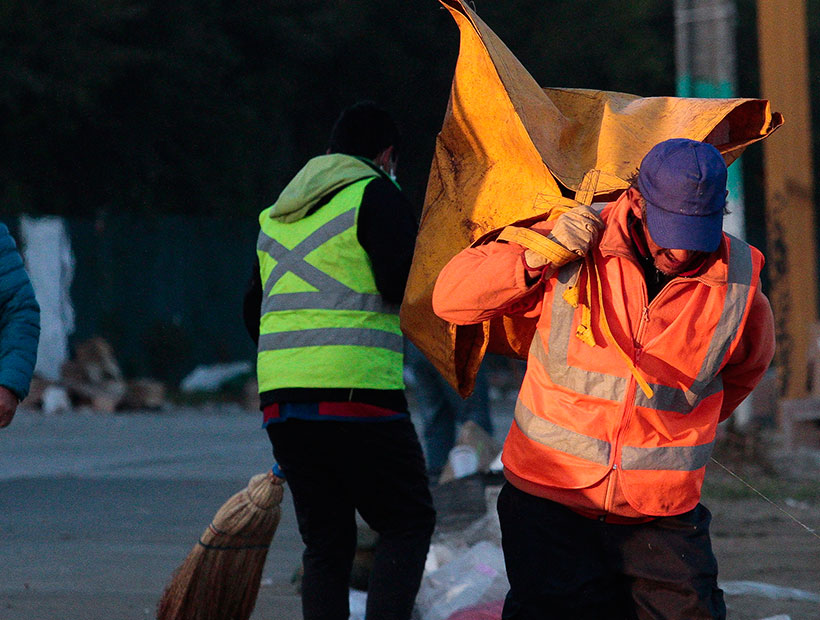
629,405
629,400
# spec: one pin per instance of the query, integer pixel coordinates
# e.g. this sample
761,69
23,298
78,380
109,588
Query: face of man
387,161
670,261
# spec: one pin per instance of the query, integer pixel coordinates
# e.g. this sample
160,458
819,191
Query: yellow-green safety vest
323,323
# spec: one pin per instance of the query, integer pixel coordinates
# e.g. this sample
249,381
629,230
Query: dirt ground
757,541
767,559
765,504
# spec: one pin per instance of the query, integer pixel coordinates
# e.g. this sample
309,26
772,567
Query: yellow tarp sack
510,151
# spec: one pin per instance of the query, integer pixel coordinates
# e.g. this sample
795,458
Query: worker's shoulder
740,249
382,196
382,186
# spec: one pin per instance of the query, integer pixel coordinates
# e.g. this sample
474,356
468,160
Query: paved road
96,511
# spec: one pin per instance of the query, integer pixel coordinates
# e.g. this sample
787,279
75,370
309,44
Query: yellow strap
593,268
572,295
586,190
554,252
584,330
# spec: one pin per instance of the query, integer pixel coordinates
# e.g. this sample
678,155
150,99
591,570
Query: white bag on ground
358,604
474,576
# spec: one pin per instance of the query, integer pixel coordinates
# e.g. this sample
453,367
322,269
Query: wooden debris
144,394
94,378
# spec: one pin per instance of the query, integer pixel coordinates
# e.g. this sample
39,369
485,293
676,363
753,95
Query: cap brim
677,231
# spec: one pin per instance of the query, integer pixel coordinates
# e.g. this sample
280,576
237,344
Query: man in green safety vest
333,254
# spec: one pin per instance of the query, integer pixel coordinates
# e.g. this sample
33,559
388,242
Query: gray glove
574,233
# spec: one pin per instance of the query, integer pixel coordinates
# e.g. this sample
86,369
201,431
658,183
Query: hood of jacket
320,176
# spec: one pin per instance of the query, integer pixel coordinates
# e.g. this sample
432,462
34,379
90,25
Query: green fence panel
165,291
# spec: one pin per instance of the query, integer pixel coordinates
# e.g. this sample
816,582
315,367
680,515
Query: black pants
335,468
564,566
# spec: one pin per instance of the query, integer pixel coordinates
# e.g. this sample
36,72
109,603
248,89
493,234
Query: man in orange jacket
640,350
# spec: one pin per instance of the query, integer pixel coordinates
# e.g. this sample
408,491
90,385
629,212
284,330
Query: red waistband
330,410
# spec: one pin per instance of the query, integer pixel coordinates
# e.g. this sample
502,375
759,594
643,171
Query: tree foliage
209,106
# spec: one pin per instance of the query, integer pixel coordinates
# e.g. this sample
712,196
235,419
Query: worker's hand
571,237
577,230
8,405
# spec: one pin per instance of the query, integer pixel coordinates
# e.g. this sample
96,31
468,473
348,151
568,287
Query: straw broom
219,580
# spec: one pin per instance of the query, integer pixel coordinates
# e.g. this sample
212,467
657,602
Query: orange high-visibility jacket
584,433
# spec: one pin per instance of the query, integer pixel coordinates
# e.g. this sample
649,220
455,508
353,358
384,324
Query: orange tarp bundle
509,151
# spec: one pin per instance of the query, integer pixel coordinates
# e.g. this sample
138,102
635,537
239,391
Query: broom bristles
219,580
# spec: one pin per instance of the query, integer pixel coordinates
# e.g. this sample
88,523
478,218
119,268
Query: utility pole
706,67
791,256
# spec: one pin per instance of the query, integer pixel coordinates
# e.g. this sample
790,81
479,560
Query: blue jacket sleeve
19,319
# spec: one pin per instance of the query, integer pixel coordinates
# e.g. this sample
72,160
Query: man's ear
634,198
383,159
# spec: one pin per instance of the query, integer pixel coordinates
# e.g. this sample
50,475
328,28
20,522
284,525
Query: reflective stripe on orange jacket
584,433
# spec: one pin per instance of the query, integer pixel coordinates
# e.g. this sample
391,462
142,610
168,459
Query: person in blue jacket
19,328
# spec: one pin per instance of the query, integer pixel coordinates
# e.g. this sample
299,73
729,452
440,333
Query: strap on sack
554,252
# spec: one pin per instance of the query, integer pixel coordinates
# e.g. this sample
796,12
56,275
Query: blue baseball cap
683,183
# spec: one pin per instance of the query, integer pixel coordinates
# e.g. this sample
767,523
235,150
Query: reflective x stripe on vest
330,294
327,332
612,387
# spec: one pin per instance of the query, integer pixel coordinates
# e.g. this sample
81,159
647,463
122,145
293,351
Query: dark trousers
565,566
334,468
442,409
